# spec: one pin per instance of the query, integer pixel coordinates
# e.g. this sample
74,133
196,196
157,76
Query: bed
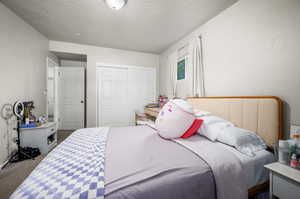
140,164
261,114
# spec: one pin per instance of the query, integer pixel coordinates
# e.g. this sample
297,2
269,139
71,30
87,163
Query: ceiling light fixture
116,4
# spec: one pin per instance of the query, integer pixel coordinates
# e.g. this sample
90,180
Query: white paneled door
141,89
71,98
121,92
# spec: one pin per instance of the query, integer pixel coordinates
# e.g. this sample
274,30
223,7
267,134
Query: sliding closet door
141,89
112,97
122,92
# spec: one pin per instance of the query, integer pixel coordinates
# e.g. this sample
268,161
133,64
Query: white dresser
284,181
43,137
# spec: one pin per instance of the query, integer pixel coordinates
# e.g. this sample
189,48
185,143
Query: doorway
52,88
71,91
71,97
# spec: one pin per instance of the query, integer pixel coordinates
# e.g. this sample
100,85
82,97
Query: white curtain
198,70
172,65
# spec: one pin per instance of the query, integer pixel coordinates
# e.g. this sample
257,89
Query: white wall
23,53
102,55
252,48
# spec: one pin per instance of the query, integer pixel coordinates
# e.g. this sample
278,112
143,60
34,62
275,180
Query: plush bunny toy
177,119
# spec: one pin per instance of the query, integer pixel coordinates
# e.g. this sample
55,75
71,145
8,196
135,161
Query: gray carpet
14,174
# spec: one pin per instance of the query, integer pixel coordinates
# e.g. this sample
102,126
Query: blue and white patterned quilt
74,169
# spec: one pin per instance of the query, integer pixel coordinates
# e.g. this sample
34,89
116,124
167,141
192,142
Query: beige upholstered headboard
260,114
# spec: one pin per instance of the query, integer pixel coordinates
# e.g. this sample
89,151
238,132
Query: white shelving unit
43,137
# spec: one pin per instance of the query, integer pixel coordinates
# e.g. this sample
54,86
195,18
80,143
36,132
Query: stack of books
152,106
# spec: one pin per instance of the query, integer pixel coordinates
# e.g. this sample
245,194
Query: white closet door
112,97
122,92
141,89
71,98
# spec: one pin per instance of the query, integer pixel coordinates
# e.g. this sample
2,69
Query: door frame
123,66
55,87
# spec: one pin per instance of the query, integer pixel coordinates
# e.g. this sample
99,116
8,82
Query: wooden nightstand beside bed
151,113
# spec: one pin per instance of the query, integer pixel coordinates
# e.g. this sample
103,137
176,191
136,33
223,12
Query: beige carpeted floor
14,174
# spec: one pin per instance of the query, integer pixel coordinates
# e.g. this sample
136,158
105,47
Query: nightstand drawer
285,188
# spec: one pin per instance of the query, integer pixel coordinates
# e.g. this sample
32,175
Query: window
182,55
181,69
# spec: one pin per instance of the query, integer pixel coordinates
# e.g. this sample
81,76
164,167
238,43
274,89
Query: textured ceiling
143,25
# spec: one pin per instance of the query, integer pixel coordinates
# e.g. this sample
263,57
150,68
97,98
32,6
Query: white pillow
210,119
200,113
212,126
245,141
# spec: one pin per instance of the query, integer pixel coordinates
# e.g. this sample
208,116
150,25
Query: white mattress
254,166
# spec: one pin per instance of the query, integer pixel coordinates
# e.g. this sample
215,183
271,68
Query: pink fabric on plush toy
175,118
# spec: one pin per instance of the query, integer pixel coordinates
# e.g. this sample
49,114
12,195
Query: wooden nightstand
284,181
152,113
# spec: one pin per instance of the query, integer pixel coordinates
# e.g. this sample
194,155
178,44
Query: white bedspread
253,167
227,168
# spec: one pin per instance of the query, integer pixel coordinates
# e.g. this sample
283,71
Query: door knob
81,101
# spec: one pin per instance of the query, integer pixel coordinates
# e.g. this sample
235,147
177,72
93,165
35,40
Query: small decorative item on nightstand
289,152
294,153
295,132
283,151
294,161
